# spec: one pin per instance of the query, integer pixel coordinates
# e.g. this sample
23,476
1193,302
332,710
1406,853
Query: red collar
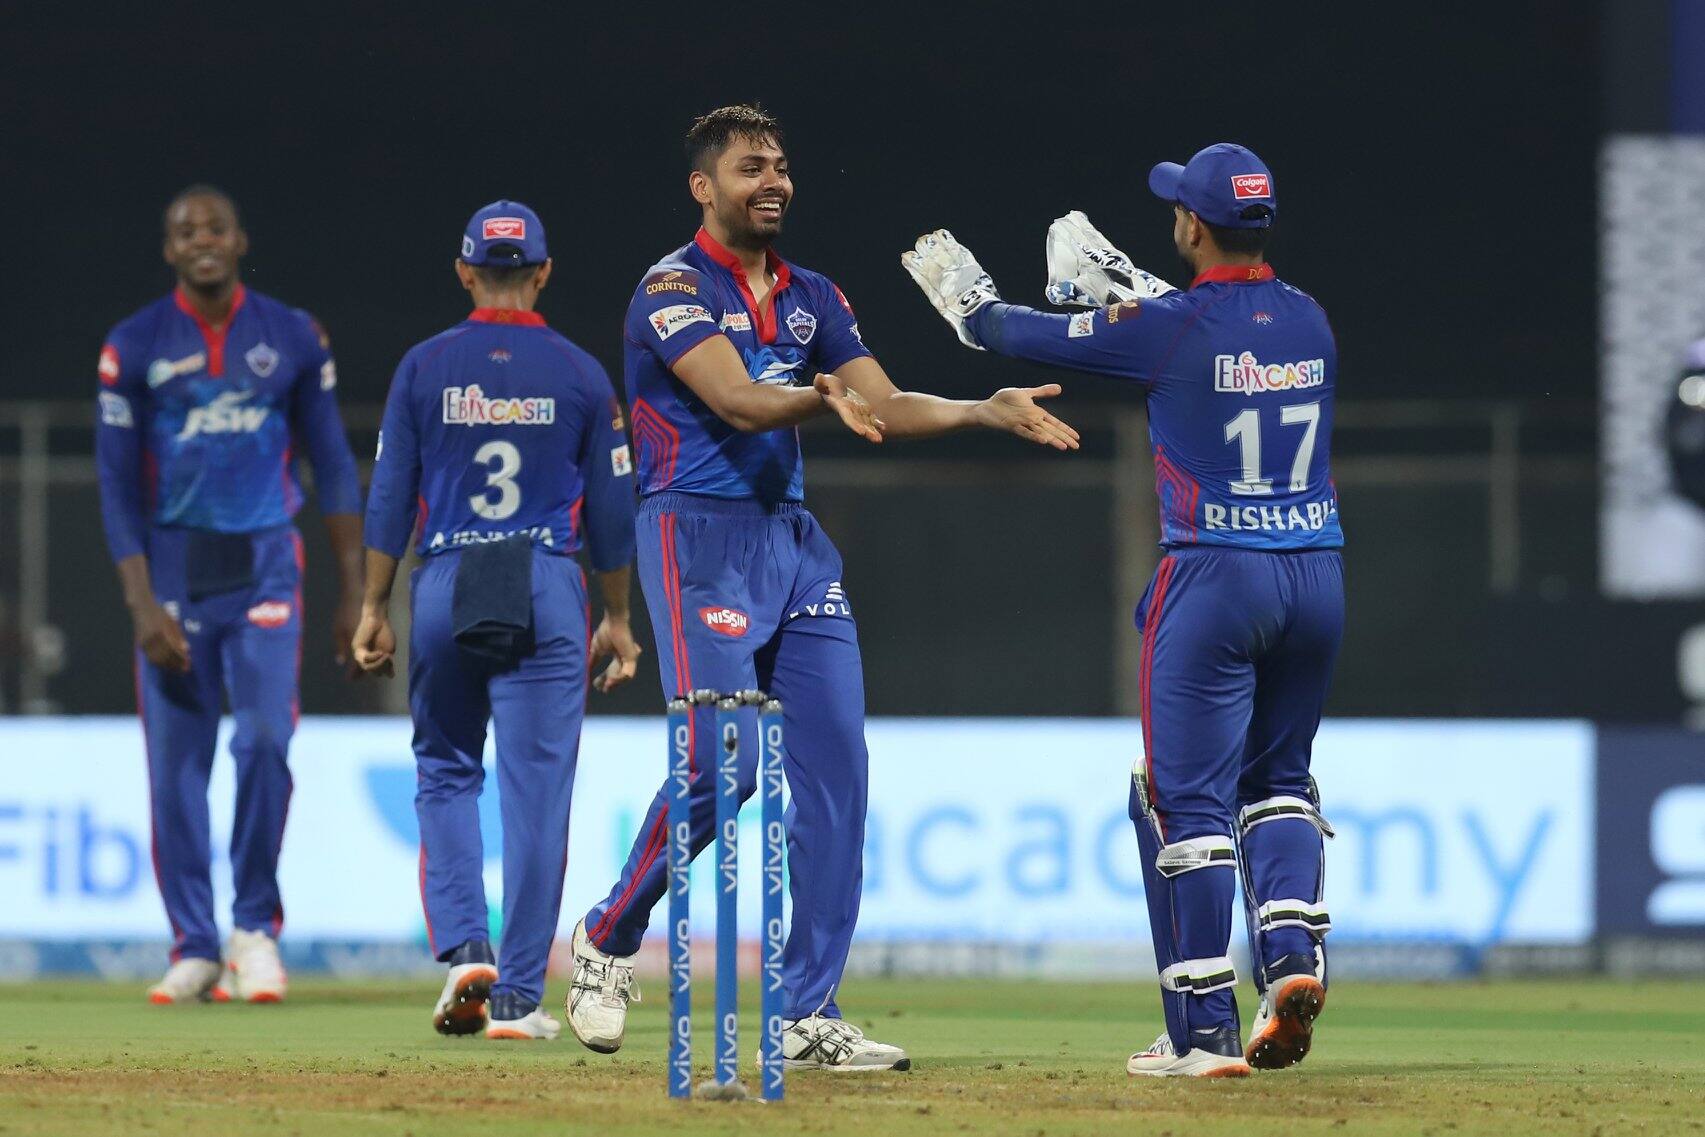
212,336
1235,274
238,295
714,250
507,316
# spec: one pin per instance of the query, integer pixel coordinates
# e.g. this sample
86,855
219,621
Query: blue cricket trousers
536,707
246,645
746,595
1237,654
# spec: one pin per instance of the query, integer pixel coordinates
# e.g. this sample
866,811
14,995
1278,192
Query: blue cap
1218,185
504,233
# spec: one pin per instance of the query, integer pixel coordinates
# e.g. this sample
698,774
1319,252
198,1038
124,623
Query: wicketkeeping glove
1086,270
952,280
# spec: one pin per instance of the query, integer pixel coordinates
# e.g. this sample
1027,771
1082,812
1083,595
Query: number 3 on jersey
1245,430
502,461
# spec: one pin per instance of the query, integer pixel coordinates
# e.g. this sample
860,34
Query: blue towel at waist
491,606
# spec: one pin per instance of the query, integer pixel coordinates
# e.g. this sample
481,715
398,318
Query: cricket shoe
257,973
1284,1026
189,980
461,1005
599,994
514,1018
822,1043
1218,1056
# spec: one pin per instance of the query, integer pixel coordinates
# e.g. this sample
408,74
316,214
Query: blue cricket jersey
1240,372
501,426
699,291
199,426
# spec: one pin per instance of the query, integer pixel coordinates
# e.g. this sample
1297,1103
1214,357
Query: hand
858,415
615,639
344,622
1014,409
375,644
1086,270
160,637
952,280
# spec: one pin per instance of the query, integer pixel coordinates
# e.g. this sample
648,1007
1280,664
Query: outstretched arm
1105,341
915,414
714,372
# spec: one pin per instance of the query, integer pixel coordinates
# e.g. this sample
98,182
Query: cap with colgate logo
1224,184
504,233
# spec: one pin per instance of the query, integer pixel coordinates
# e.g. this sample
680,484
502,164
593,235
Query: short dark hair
1242,242
711,133
199,189
501,278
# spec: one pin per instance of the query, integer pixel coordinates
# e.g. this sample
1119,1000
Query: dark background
1438,196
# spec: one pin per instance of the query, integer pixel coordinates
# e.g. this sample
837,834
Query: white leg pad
1304,914
1199,976
1196,853
1280,808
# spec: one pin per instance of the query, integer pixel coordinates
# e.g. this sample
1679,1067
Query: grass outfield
1590,1057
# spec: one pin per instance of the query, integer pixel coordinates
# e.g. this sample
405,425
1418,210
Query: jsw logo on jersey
270,614
1244,375
728,621
226,414
766,365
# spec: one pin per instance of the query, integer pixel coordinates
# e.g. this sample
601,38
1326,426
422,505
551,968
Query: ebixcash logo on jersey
1244,375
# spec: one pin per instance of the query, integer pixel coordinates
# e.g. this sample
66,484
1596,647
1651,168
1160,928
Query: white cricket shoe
257,973
534,1024
599,994
1284,1026
1162,1061
461,1006
188,980
822,1043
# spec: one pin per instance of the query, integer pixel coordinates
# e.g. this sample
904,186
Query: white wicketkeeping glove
952,280
1086,270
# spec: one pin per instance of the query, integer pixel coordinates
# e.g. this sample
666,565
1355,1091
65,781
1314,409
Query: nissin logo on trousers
728,621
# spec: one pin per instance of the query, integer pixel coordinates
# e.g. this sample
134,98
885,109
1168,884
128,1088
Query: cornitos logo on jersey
262,360
728,621
1082,324
226,414
163,371
667,321
468,406
670,282
1244,375
802,324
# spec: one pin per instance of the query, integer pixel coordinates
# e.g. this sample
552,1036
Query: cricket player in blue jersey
502,444
207,397
728,349
1241,623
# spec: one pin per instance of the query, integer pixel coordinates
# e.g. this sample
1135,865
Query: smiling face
745,192
204,242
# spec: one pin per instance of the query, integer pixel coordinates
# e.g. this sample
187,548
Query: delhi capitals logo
1263,317
802,324
262,360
